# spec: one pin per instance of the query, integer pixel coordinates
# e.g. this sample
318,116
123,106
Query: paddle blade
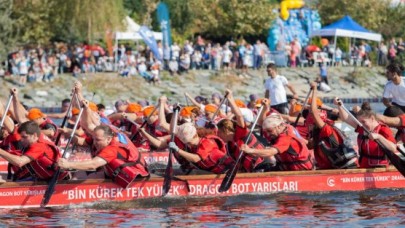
167,181
51,189
229,177
396,161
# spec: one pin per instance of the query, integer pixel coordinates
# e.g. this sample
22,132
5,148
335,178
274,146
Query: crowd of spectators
33,64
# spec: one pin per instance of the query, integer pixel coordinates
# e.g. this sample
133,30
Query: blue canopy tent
346,27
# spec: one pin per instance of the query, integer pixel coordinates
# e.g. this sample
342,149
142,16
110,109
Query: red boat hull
28,194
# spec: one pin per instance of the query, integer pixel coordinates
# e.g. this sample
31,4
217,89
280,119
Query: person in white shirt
175,51
275,89
226,57
394,90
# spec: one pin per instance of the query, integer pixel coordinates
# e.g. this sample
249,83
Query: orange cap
210,108
148,110
259,102
240,103
93,107
134,108
296,108
34,114
318,101
75,111
186,111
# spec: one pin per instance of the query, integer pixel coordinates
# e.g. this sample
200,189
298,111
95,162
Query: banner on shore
164,21
149,39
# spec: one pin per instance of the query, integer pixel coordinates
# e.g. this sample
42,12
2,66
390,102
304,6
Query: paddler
372,155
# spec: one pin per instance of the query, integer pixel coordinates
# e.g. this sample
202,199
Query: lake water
382,208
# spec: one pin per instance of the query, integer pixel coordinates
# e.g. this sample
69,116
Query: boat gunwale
155,178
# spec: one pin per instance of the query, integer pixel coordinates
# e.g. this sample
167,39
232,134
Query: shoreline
352,85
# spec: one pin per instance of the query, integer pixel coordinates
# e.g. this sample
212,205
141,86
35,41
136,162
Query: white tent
132,31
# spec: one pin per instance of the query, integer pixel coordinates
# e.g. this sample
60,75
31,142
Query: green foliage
220,18
376,15
8,33
343,43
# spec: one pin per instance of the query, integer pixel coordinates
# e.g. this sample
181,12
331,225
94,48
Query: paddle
186,100
302,109
167,181
144,123
52,183
219,107
67,116
3,118
395,159
230,175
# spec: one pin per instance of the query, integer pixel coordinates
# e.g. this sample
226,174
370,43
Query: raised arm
263,115
235,109
20,113
314,109
193,100
8,122
343,115
89,119
162,117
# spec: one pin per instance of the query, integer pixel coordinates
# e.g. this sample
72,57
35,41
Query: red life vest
248,161
215,158
184,164
124,170
294,159
371,154
336,148
12,141
43,168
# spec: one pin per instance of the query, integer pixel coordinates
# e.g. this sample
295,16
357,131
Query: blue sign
149,39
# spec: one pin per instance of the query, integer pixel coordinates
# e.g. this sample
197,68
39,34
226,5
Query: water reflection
370,208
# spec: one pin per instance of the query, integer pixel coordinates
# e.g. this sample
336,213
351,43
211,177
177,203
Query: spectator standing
323,71
226,57
175,51
395,88
275,89
382,54
257,50
338,56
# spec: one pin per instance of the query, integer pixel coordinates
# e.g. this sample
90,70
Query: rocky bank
346,82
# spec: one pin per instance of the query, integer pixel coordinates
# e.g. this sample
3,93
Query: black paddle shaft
54,180
230,175
143,124
167,181
395,159
302,109
68,113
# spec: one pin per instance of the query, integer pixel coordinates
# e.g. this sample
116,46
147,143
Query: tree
376,15
141,10
8,33
90,17
221,18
